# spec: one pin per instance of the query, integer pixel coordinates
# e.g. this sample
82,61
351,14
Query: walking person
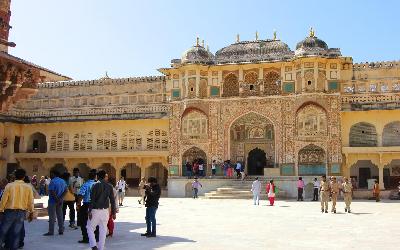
57,190
225,167
47,182
101,198
256,190
196,168
153,193
376,191
188,170
300,189
334,193
196,185
271,192
69,201
83,208
238,168
34,181
347,188
16,202
230,169
141,190
316,185
324,193
213,168
42,186
121,187
242,173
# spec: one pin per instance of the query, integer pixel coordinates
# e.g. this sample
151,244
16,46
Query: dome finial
197,41
202,43
274,34
256,35
312,32
237,38
208,48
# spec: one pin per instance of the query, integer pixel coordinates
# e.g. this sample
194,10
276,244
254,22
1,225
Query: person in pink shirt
300,188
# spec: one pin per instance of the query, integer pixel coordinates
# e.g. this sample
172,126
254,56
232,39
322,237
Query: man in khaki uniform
335,193
324,193
347,188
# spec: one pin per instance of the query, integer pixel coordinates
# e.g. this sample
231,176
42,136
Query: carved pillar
381,184
197,83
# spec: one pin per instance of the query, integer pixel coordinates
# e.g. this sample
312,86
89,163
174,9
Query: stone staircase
238,190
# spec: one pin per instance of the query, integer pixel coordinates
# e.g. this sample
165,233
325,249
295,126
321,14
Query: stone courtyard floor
184,223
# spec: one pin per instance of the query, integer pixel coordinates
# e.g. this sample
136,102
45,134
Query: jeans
189,173
315,196
71,206
11,224
42,190
195,191
299,194
55,210
201,172
151,220
256,198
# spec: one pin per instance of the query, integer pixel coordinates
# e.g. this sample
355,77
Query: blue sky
85,38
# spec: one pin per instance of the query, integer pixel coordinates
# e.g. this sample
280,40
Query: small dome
250,51
197,54
313,46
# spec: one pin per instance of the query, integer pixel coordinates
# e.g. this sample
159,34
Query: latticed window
107,140
194,125
157,140
83,141
131,140
59,142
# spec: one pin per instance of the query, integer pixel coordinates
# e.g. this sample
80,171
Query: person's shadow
125,237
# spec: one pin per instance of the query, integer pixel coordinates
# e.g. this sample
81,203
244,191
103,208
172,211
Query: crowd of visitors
198,168
94,201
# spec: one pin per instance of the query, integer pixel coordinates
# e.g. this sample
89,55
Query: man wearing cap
334,193
324,193
347,188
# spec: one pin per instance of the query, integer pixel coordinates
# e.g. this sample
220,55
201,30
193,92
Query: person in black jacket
152,195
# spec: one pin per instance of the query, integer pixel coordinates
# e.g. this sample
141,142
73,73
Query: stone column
381,184
197,83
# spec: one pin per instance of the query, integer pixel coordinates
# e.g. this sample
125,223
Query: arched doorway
312,161
110,170
363,171
247,133
159,171
60,168
37,143
132,173
256,161
83,170
191,155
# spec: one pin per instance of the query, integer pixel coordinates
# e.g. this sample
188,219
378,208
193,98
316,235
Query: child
195,187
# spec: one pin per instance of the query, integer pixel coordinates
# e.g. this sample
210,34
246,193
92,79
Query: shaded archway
312,160
60,168
37,143
132,174
110,170
251,131
159,171
191,155
391,134
362,171
256,162
363,134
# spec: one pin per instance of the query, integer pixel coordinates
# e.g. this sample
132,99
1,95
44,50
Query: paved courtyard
237,224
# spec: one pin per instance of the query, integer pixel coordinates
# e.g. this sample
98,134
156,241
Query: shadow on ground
126,236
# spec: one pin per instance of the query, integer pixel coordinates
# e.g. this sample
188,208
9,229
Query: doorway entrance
256,161
364,175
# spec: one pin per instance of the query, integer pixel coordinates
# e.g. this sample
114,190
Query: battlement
103,81
376,65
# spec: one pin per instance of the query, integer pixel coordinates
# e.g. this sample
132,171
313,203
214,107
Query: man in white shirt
238,169
121,188
75,183
201,169
316,189
256,189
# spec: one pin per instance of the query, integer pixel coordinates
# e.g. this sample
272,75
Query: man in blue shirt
83,209
57,190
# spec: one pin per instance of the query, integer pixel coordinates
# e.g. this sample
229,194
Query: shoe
95,248
345,210
48,234
145,234
322,211
84,241
109,235
150,236
349,211
334,211
139,202
60,233
326,211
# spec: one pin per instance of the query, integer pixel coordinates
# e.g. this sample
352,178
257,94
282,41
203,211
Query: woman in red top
271,192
